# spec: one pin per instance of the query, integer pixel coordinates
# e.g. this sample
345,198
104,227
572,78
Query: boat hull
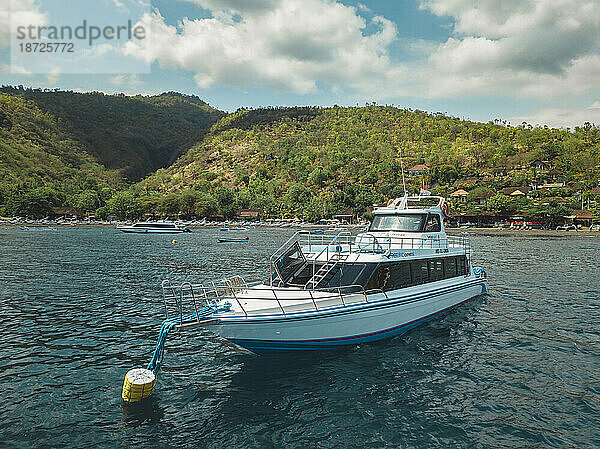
331,328
150,231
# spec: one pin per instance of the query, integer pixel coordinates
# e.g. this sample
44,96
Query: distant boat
233,239
164,227
234,229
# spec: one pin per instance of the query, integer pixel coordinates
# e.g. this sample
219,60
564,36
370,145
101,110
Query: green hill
132,135
36,150
300,161
328,151
338,146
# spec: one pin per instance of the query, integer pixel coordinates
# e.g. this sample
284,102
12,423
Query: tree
170,205
36,203
187,202
206,205
502,204
318,176
124,205
225,199
87,201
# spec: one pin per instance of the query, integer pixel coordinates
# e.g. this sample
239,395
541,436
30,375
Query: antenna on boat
402,168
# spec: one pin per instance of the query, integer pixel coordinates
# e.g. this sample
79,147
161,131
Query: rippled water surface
519,367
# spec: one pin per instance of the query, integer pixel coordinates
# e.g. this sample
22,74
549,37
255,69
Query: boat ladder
326,272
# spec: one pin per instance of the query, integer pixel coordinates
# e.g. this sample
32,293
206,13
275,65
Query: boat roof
412,204
154,223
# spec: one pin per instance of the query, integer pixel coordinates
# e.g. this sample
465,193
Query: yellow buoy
174,241
138,384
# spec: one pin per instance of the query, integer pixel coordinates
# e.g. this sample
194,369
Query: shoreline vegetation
173,156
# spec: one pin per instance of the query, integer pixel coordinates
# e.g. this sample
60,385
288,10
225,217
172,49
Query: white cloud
131,80
15,13
15,70
288,45
117,80
52,77
562,117
523,47
244,7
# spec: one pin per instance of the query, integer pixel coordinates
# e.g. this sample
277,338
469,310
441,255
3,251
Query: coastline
521,232
308,226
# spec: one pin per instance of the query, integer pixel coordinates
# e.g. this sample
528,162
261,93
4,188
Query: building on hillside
553,175
516,191
482,219
539,166
499,172
595,191
249,214
553,199
418,170
580,217
552,185
345,217
460,195
482,198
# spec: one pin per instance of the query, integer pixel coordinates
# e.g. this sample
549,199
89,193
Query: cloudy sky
519,60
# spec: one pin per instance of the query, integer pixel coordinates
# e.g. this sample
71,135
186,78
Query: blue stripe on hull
275,346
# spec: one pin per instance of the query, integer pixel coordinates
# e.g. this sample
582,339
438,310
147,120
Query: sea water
518,367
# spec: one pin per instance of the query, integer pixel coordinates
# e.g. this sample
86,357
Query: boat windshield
398,222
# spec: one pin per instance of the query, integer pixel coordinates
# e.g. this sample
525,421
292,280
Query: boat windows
351,274
450,266
420,272
433,223
395,275
290,263
155,225
398,222
436,269
400,275
461,266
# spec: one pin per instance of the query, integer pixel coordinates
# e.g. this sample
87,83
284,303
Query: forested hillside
314,162
36,150
133,135
305,162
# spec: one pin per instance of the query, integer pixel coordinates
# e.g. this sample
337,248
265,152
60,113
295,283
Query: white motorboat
165,227
326,291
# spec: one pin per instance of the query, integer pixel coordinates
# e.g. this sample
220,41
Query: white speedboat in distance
165,227
326,291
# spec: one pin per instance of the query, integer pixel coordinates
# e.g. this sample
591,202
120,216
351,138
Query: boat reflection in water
325,291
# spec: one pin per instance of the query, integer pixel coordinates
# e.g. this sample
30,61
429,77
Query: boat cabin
405,245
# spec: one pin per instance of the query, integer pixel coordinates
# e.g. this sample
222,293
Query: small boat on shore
164,227
326,291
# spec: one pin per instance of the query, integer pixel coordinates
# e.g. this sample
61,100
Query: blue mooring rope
170,323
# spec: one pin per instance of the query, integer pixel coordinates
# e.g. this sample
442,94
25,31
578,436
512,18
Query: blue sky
518,60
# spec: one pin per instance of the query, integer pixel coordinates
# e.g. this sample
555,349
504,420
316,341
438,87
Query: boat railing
373,244
187,298
321,247
315,244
